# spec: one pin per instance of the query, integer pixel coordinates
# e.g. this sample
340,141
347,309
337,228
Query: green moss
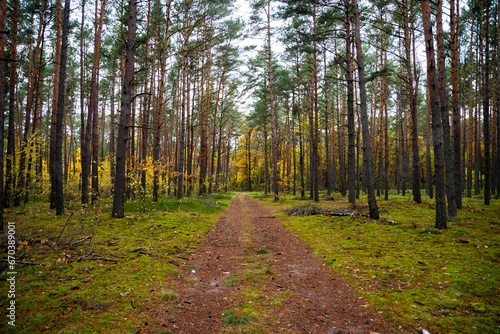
91,295
416,275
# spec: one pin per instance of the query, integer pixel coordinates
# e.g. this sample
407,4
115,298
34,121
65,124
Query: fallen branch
103,259
82,239
150,254
65,225
305,330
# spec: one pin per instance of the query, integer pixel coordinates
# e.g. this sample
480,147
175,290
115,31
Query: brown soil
317,300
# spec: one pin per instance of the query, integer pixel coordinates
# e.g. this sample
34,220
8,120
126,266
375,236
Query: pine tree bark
486,106
57,184
274,144
3,28
182,139
350,110
157,115
367,152
55,96
498,106
470,122
316,139
146,103
455,59
90,158
11,139
413,94
428,121
121,149
437,131
22,183
445,117
112,125
205,85
82,103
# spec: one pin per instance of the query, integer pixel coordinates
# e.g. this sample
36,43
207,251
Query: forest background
146,100
155,111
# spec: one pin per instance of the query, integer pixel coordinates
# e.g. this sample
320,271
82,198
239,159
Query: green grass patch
167,295
231,318
444,281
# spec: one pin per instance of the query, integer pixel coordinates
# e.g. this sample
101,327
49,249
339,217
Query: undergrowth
443,281
100,273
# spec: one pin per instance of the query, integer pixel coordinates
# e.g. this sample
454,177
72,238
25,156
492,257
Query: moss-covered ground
446,281
97,274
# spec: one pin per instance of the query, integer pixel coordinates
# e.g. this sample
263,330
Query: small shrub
263,251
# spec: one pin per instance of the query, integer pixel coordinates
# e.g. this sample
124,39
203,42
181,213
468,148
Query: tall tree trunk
55,97
470,121
437,131
367,151
57,185
428,121
350,110
274,144
445,117
266,153
329,176
157,115
203,123
182,139
413,93
486,107
121,149
147,102
112,125
455,59
22,183
11,139
92,117
497,171
315,151
3,28
82,103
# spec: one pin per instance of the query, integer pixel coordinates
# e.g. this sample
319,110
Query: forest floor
252,275
219,264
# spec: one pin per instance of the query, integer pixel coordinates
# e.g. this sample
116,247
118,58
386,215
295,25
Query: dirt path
251,268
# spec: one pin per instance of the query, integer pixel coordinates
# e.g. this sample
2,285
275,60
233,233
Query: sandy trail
317,300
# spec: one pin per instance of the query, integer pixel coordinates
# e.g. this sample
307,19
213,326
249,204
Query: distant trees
342,108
